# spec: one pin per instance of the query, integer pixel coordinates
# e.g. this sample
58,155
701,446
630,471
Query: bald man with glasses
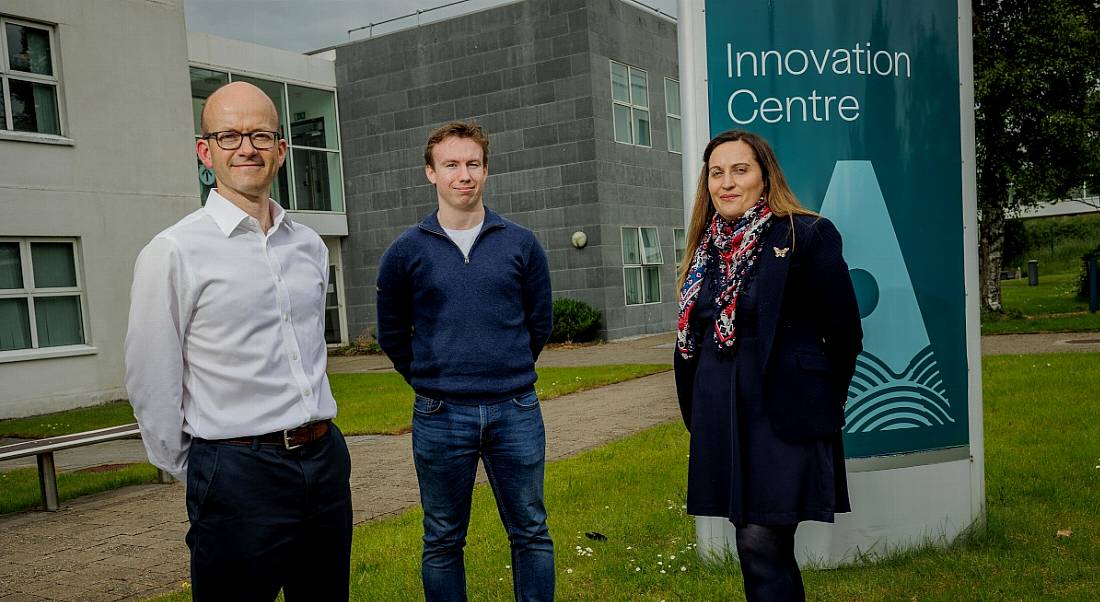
225,368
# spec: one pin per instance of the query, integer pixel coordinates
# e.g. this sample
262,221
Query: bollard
1033,272
1094,293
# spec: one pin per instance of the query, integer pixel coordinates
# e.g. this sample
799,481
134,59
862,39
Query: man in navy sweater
464,308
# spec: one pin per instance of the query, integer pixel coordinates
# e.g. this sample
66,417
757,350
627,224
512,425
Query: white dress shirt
226,333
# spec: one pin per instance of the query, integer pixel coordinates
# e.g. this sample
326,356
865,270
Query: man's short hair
461,129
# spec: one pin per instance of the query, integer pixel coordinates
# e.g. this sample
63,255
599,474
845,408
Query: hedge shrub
574,321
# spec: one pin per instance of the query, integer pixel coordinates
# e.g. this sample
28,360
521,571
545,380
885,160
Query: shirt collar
228,216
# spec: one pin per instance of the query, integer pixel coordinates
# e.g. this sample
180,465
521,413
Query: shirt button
286,317
306,392
294,356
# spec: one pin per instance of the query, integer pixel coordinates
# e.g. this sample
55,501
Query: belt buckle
286,441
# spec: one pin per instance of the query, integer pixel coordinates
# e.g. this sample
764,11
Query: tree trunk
991,239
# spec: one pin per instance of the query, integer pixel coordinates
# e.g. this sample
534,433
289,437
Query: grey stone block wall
536,75
638,186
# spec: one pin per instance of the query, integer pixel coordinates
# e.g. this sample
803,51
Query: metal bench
43,450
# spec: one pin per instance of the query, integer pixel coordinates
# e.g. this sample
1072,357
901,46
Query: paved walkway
1011,344
128,544
653,349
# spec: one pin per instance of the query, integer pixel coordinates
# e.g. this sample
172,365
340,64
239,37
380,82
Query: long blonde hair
777,193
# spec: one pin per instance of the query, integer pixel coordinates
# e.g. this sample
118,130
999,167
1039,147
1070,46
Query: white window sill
649,146
35,137
20,355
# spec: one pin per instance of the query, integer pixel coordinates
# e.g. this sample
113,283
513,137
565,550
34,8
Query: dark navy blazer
808,332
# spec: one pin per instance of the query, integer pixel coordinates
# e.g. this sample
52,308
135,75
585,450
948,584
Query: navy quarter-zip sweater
465,329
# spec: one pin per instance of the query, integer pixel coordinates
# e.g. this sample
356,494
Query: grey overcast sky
303,25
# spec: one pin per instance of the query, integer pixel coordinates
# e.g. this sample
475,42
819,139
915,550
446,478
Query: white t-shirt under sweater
464,238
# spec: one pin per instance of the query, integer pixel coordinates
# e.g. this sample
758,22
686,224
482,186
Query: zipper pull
467,258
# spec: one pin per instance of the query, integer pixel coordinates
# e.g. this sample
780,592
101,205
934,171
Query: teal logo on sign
860,100
897,384
206,175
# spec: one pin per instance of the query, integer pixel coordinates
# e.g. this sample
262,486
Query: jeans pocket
527,401
426,406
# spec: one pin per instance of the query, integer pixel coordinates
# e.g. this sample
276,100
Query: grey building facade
581,102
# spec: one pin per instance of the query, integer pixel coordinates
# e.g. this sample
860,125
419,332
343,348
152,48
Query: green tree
1037,96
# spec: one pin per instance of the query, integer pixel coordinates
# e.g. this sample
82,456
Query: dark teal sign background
882,158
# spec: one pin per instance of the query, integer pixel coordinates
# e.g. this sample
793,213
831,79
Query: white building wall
1060,208
127,172
242,57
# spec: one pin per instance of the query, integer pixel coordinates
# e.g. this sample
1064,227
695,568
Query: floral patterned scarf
737,247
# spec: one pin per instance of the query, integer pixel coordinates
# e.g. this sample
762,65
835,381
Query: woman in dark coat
767,340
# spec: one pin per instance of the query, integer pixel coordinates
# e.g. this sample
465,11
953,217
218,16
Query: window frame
632,106
8,131
670,116
643,266
31,291
284,109
678,251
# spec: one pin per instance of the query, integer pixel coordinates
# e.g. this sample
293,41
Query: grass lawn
19,487
70,421
1042,453
1080,322
1058,244
1052,306
369,403
381,403
1055,294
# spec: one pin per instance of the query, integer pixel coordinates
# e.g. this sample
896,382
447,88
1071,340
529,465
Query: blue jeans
509,437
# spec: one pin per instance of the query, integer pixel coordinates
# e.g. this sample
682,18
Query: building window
672,118
679,243
311,178
630,105
40,294
333,335
28,74
314,142
641,265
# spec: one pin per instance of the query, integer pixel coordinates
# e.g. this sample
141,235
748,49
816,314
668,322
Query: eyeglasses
231,140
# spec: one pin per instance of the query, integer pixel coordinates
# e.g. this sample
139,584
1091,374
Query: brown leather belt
289,439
